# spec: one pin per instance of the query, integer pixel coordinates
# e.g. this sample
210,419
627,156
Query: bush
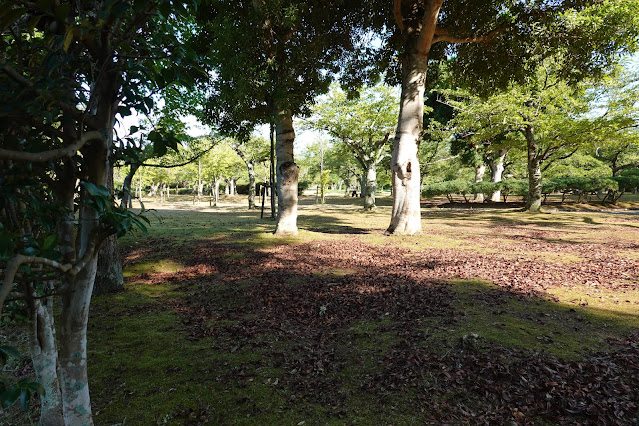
515,187
185,191
486,188
242,189
302,186
447,188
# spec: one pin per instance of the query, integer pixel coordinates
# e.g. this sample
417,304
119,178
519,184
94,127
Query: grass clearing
223,323
230,355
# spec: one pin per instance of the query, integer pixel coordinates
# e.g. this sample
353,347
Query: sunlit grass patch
151,267
566,330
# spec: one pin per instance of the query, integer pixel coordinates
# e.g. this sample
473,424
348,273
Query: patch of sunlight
151,267
566,330
335,272
620,306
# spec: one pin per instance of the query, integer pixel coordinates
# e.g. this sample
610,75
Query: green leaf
68,38
9,17
33,21
30,251
10,351
25,396
50,242
9,396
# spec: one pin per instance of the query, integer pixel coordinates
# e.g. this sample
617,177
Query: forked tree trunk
496,172
533,201
44,354
406,218
371,187
480,170
287,173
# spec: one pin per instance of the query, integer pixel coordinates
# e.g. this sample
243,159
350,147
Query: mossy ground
147,366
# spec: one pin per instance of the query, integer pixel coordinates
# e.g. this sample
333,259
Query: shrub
447,188
302,186
515,187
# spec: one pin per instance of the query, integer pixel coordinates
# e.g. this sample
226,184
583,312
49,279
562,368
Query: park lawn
488,316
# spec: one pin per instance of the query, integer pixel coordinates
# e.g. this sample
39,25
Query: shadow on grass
329,331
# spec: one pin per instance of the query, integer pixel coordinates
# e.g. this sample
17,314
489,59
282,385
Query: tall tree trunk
480,170
406,217
496,172
251,188
371,186
109,278
126,186
75,312
272,189
44,354
76,298
217,190
362,183
287,176
533,201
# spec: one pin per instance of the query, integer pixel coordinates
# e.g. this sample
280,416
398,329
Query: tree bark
126,186
371,186
406,217
44,354
480,170
287,176
217,190
251,188
76,402
109,278
496,172
533,201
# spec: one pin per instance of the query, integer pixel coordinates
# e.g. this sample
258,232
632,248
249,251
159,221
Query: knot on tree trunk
404,173
289,172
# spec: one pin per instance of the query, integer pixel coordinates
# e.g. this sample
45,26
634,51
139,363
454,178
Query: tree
363,124
66,69
547,115
221,162
271,58
252,152
590,35
617,142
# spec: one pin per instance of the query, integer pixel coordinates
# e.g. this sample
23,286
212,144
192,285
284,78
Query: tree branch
441,160
54,154
12,269
399,18
444,36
